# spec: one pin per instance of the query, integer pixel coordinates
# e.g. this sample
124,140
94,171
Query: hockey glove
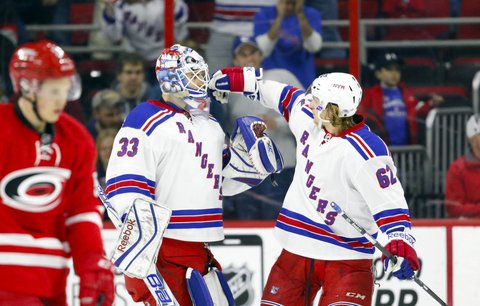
401,246
235,79
96,284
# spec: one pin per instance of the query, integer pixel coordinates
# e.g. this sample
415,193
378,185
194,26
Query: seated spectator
289,35
104,143
390,109
130,82
108,112
264,201
462,194
141,23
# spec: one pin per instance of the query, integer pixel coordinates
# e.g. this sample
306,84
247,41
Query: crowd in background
285,37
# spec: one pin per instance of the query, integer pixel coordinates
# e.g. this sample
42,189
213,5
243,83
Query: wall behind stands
448,251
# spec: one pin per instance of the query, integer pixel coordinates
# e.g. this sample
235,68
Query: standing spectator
108,112
47,203
289,35
462,195
265,200
130,83
231,18
141,22
389,107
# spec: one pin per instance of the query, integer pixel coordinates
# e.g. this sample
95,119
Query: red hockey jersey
47,202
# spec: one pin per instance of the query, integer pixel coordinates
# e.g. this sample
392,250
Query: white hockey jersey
353,169
165,154
142,23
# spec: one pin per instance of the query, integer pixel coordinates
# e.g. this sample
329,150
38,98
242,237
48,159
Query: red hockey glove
96,285
401,246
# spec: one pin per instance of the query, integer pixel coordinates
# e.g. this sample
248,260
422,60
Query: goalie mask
182,72
338,88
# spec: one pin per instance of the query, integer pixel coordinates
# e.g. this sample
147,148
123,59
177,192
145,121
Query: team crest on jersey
36,189
240,282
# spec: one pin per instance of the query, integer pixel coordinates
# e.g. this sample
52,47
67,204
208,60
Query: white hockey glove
252,155
141,237
235,79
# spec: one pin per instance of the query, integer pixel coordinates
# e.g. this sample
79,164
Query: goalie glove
234,79
253,155
400,245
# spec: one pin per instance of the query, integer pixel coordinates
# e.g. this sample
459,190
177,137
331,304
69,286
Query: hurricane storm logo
37,189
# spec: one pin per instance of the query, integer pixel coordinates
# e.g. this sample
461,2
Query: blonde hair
343,123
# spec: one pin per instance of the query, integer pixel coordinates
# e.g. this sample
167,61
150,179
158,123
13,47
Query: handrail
475,92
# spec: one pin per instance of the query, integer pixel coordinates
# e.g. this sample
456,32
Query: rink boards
448,251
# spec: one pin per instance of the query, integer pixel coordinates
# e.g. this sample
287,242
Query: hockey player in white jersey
338,160
174,153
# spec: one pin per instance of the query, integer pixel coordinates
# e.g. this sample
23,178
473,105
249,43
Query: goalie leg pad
140,237
198,288
216,279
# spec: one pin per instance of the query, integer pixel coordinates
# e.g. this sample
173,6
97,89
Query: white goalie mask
338,88
183,72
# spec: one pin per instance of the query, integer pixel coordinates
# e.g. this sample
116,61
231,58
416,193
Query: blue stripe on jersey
307,111
194,212
165,118
374,142
356,146
295,96
126,177
195,225
123,190
391,213
140,114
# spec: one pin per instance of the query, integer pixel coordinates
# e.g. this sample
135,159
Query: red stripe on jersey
129,183
154,119
360,141
181,219
286,101
392,219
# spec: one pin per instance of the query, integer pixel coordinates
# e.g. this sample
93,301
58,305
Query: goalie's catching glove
234,79
400,245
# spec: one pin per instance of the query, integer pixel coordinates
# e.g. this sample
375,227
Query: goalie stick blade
140,237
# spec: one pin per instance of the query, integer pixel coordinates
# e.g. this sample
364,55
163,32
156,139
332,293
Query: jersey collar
46,137
360,123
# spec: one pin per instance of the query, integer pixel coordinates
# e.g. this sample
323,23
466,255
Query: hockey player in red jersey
47,202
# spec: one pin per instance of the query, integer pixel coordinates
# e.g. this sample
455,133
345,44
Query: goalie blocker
251,157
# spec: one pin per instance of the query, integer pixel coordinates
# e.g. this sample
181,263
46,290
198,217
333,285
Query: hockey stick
154,280
393,258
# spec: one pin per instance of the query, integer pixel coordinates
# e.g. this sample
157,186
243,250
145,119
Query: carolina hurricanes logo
37,189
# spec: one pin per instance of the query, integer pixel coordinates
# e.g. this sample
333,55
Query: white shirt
354,170
163,154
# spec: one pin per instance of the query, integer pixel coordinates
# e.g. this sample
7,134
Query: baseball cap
387,60
473,125
241,41
107,98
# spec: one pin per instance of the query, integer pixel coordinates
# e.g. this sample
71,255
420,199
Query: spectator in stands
141,23
104,144
230,20
390,109
289,34
108,112
130,83
265,200
462,194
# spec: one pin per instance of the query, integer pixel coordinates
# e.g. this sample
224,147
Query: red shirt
46,198
462,194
